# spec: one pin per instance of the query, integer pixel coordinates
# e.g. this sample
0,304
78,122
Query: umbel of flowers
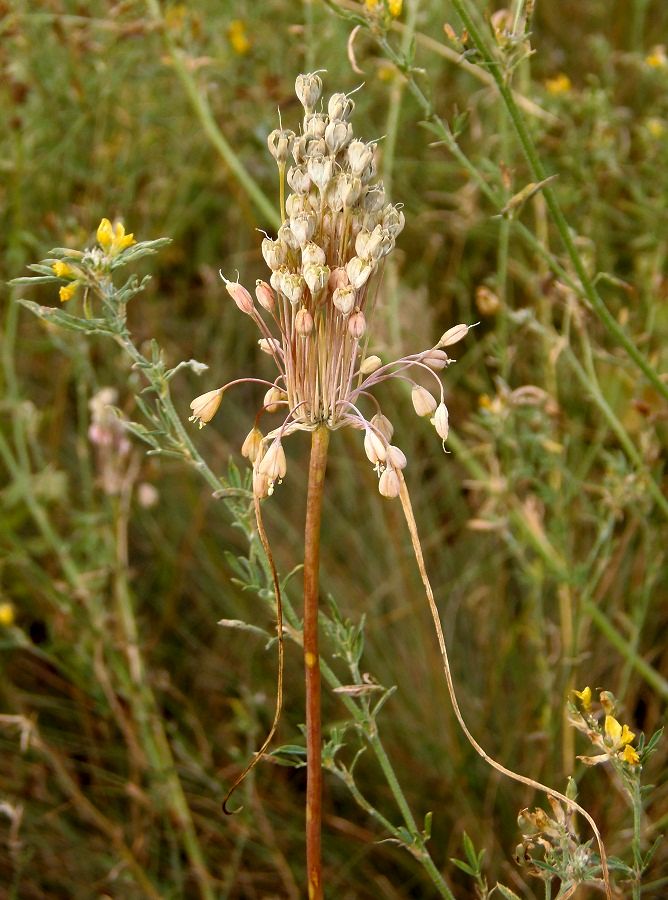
313,313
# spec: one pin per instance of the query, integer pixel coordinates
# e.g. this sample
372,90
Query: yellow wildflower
584,696
630,755
395,7
560,84
655,127
67,291
6,615
657,59
62,270
236,35
619,735
112,238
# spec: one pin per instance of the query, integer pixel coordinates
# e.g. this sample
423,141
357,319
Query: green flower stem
207,120
539,174
636,805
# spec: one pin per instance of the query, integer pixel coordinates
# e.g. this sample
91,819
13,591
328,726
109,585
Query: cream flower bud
338,277
396,457
348,190
275,253
340,107
280,144
316,277
299,180
315,125
382,423
272,399
288,237
265,295
337,135
292,285
452,335
303,227
359,156
343,299
357,324
296,204
320,170
423,402
260,485
205,407
435,359
303,322
308,88
252,445
240,296
313,255
374,447
373,245
358,271
273,463
315,147
270,345
276,277
440,421
370,364
389,484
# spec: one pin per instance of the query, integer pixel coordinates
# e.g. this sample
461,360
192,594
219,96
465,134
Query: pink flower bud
240,296
303,322
265,295
343,299
435,359
357,325
396,457
383,424
374,447
423,402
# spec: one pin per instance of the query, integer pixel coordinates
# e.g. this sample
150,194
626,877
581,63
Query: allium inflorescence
313,313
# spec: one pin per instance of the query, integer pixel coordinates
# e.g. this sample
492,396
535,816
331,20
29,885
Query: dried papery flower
252,445
325,267
440,421
389,483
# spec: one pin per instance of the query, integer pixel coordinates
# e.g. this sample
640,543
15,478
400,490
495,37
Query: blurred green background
546,548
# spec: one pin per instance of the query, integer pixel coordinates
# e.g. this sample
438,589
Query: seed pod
303,227
357,324
240,296
382,423
265,296
292,285
358,271
374,447
252,445
340,107
440,421
337,135
299,180
393,220
280,143
374,198
321,170
343,299
315,125
396,457
452,335
308,88
303,322
423,402
313,255
275,253
359,156
389,484
370,365
316,277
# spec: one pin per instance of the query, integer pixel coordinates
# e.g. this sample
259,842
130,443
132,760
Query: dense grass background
547,550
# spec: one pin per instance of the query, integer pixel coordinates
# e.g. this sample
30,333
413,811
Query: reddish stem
316,479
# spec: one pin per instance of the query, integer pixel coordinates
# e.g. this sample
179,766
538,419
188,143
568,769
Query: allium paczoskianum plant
314,316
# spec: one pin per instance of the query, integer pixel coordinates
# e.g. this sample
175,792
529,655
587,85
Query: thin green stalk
207,120
636,805
539,174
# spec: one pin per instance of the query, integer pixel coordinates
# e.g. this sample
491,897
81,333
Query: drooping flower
206,406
